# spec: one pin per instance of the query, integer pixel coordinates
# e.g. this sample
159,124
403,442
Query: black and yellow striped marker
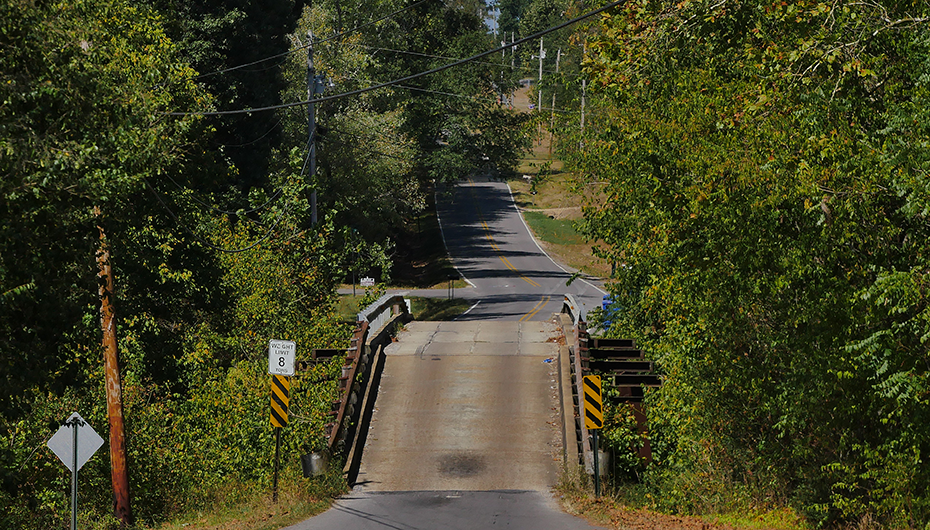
280,396
593,402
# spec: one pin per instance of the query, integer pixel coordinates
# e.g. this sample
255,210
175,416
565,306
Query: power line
404,52
409,77
204,241
476,98
273,197
273,127
295,50
216,247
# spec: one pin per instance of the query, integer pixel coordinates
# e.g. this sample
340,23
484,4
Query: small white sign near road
368,282
62,442
281,356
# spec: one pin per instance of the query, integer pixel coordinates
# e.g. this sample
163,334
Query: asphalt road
466,431
444,510
492,248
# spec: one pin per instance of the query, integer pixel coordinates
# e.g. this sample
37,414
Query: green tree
82,127
765,194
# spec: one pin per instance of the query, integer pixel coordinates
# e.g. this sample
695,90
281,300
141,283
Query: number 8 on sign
281,355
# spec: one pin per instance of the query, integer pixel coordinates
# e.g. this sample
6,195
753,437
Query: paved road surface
441,510
466,406
492,247
466,428
466,433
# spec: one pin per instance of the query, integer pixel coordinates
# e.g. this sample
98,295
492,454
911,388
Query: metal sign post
277,458
280,400
65,444
74,472
594,420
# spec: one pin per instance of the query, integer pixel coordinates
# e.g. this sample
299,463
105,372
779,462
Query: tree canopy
765,169
208,220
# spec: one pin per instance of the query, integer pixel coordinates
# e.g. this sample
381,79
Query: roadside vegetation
208,222
757,171
764,173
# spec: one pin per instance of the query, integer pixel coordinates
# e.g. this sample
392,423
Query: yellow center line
542,303
500,253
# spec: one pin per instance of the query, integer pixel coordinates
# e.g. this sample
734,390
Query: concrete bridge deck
469,406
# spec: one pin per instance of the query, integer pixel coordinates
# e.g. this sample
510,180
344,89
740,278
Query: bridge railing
383,310
572,308
361,377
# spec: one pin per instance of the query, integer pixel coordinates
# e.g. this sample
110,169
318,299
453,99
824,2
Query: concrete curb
570,456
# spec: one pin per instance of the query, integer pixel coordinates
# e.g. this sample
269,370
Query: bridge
465,424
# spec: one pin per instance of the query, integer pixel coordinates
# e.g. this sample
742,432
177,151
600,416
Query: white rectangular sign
281,356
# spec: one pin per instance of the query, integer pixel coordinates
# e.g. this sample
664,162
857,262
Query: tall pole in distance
311,126
539,79
558,59
584,92
119,472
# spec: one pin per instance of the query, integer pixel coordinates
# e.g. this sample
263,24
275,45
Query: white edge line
530,232
443,234
467,310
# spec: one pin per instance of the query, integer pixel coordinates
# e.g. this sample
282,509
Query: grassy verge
244,508
552,230
438,308
550,202
551,214
610,510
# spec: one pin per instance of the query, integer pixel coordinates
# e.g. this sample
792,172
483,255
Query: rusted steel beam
615,353
620,380
620,365
614,343
320,354
346,382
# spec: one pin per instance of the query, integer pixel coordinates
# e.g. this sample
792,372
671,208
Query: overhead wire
411,77
219,248
273,127
476,98
429,55
204,241
305,46
270,200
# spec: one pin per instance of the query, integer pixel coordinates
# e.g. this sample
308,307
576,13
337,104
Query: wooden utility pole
584,93
119,471
558,58
542,55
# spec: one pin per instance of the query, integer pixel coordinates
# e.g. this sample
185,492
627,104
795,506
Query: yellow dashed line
500,253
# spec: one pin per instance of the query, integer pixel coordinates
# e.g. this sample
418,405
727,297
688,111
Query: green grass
557,231
243,507
347,307
437,308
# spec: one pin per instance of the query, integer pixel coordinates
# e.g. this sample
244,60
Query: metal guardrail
575,310
383,310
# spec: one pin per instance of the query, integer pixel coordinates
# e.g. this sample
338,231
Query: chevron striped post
280,398
594,420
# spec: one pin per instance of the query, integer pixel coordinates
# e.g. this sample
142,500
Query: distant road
467,427
493,249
